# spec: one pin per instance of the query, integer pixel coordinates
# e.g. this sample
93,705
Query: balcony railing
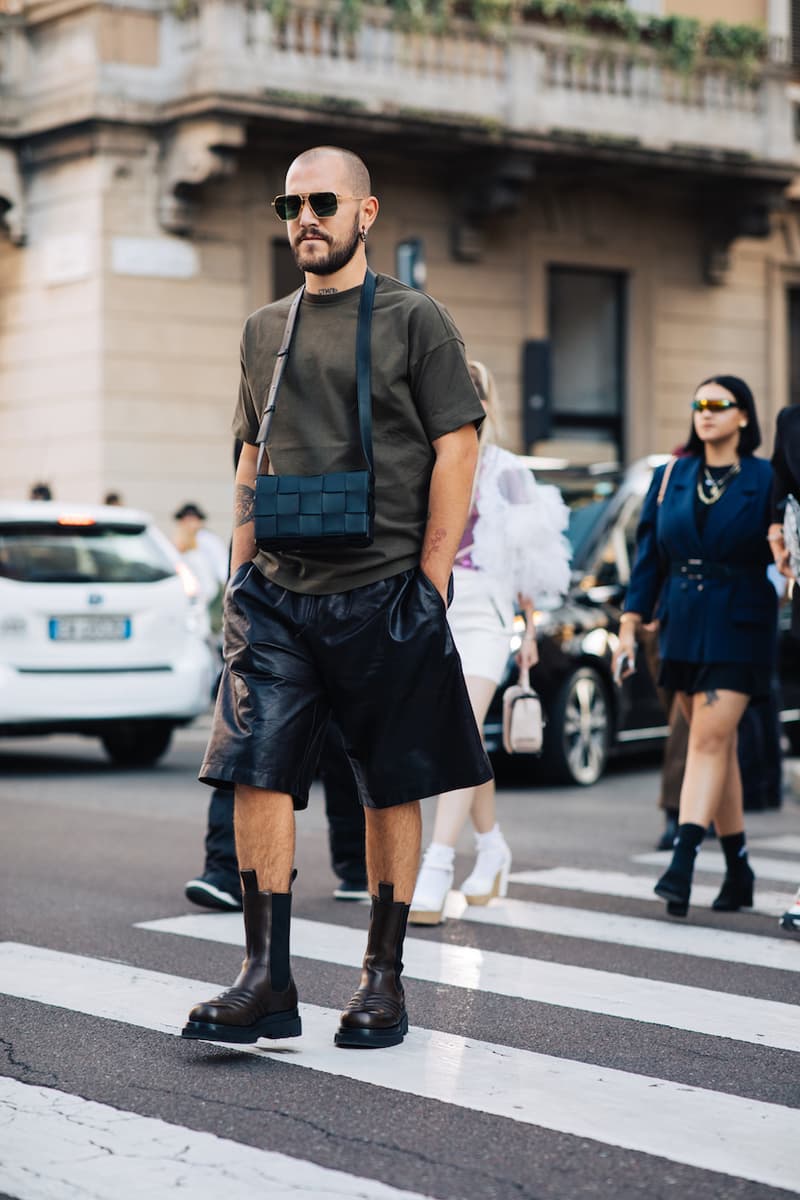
536,81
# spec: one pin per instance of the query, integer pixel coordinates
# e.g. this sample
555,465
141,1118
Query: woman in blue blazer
701,567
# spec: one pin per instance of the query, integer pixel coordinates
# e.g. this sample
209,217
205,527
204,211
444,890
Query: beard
339,253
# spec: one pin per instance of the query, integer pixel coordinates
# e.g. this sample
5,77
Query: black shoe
215,891
376,1015
352,889
675,887
263,999
736,891
667,839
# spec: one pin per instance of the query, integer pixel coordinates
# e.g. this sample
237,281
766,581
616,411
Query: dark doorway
793,317
587,355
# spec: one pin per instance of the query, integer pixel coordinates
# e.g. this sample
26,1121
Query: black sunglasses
322,204
704,405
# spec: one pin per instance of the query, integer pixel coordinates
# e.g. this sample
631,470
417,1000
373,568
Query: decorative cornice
12,196
193,153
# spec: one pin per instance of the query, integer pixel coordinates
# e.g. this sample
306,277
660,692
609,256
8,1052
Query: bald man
355,632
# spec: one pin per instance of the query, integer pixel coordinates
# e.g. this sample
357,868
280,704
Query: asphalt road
577,1046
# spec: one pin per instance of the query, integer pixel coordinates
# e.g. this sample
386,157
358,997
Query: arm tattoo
243,504
437,537
711,697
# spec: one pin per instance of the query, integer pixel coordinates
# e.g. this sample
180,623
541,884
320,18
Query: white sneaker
489,876
434,881
791,918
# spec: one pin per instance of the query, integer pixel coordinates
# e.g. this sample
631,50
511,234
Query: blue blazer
725,610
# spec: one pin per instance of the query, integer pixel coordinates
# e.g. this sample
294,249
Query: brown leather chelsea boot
263,999
376,1016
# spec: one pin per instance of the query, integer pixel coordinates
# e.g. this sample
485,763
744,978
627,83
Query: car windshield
45,553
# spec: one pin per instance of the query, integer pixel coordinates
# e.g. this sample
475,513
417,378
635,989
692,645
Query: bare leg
265,834
712,740
453,808
483,809
393,837
729,817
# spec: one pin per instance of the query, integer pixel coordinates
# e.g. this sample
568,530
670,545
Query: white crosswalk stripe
85,1141
616,1107
56,1146
787,843
713,861
654,1002
674,937
638,887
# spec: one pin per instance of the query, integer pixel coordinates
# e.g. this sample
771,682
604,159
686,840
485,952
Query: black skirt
751,679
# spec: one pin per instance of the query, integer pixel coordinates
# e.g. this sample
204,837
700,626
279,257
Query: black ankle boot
263,999
667,839
376,1015
737,887
675,885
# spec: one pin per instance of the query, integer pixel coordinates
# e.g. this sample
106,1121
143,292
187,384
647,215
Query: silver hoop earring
363,235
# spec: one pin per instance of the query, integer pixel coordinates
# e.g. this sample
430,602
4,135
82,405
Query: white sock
439,855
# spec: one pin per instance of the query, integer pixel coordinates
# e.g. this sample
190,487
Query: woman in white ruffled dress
513,551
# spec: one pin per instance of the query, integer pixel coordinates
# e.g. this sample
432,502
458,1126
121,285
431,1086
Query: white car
103,630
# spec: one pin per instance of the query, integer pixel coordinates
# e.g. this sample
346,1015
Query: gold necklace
716,487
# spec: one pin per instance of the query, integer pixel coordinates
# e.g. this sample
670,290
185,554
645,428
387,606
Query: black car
588,717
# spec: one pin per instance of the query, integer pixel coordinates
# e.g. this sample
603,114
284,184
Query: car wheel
578,730
137,743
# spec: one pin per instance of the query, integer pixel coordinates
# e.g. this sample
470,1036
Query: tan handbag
523,721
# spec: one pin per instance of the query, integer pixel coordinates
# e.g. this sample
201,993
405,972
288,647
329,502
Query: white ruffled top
519,536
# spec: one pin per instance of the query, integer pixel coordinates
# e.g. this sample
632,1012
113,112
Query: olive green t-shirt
421,390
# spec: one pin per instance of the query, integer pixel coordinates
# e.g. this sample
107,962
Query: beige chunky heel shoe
489,876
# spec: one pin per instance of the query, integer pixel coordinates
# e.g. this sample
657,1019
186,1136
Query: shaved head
354,168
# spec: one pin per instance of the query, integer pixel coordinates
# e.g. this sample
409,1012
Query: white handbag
523,721
791,534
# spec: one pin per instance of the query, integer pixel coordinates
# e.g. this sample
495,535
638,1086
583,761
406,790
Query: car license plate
89,629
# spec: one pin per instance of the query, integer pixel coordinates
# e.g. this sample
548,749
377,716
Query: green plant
680,41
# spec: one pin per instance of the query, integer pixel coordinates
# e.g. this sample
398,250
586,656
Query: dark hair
750,436
41,491
190,510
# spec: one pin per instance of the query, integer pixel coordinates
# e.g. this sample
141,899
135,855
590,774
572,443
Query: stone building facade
606,230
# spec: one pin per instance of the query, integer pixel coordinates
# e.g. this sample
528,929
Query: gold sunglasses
322,204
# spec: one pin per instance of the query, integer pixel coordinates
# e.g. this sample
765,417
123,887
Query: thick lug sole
372,1039
277,1026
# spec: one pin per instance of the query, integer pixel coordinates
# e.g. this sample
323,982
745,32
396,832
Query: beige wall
51,297
128,381
748,12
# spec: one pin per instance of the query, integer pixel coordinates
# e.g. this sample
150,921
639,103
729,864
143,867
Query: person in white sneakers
513,550
791,918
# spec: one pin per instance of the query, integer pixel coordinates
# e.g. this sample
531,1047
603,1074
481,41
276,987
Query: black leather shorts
380,659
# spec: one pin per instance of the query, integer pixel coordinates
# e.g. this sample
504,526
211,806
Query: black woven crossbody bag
318,512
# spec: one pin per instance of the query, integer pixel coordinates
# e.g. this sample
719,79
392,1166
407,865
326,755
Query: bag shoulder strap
363,370
662,491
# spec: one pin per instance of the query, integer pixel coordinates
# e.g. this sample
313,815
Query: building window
587,355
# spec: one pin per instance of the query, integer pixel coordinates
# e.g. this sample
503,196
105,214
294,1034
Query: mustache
311,233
